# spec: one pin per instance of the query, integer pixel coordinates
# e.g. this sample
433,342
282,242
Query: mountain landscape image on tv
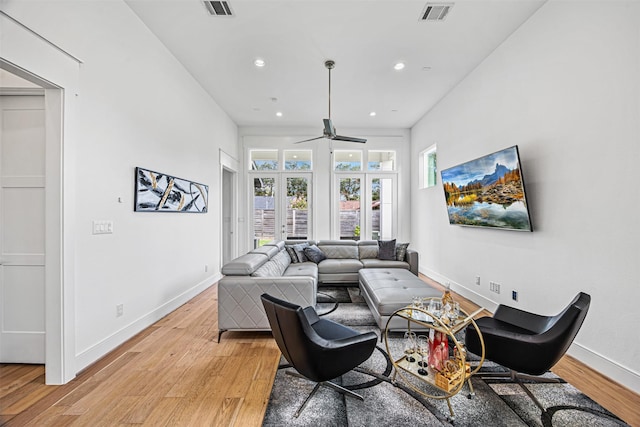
488,192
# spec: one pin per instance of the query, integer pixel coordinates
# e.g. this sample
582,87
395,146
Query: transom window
262,160
347,160
381,160
297,160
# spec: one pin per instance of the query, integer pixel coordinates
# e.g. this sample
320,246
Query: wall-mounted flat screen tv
488,192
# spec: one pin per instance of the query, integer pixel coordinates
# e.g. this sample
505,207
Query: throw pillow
314,254
299,249
387,249
292,253
401,251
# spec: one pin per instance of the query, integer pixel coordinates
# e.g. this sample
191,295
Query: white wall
565,87
135,105
284,138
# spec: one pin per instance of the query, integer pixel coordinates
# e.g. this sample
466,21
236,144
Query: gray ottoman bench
387,290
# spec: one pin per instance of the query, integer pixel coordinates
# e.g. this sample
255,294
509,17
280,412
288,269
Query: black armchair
528,344
319,349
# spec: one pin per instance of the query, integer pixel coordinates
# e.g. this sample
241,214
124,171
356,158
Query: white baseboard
478,299
99,350
621,374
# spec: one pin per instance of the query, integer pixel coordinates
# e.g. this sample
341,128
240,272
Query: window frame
426,169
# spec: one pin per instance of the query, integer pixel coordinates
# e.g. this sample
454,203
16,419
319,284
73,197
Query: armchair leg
517,377
526,390
342,390
304,404
327,384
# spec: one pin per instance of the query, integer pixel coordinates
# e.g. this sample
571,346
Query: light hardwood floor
175,373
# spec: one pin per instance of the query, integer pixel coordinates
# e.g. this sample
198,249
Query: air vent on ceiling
435,11
218,8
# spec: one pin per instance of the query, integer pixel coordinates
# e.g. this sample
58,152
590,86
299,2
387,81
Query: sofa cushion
279,244
282,259
269,250
244,264
387,249
268,269
299,250
339,266
292,253
308,269
274,267
339,249
314,253
368,249
401,251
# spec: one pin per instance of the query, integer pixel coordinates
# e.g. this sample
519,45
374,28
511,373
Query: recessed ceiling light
259,62
279,114
372,114
399,66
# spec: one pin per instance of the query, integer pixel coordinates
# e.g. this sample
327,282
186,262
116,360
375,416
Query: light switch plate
102,227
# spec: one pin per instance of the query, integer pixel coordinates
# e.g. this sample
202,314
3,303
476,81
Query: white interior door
22,229
229,219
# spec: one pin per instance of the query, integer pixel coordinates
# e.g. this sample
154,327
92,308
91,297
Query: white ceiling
364,37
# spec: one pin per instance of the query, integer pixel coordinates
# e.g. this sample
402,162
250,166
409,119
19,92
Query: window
297,216
349,208
297,160
264,160
264,210
347,160
382,207
428,167
381,160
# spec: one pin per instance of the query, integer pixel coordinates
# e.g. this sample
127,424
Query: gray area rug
497,402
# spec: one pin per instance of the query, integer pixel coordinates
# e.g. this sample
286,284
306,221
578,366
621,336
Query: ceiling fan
329,131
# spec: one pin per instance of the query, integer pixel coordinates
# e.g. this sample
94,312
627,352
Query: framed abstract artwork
159,192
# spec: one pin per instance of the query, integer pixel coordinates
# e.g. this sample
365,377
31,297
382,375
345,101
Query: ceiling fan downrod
329,64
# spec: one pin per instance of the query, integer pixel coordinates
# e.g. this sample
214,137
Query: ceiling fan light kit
329,131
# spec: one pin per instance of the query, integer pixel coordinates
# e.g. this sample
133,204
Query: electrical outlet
478,280
119,310
206,268
514,295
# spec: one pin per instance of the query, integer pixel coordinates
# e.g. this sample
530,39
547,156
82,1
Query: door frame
37,60
229,165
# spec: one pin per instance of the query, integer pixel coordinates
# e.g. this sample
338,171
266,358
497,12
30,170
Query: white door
229,219
22,228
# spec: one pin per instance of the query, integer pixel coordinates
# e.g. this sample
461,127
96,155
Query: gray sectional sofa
271,269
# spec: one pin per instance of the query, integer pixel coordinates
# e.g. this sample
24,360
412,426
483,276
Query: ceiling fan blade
349,139
310,139
329,130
